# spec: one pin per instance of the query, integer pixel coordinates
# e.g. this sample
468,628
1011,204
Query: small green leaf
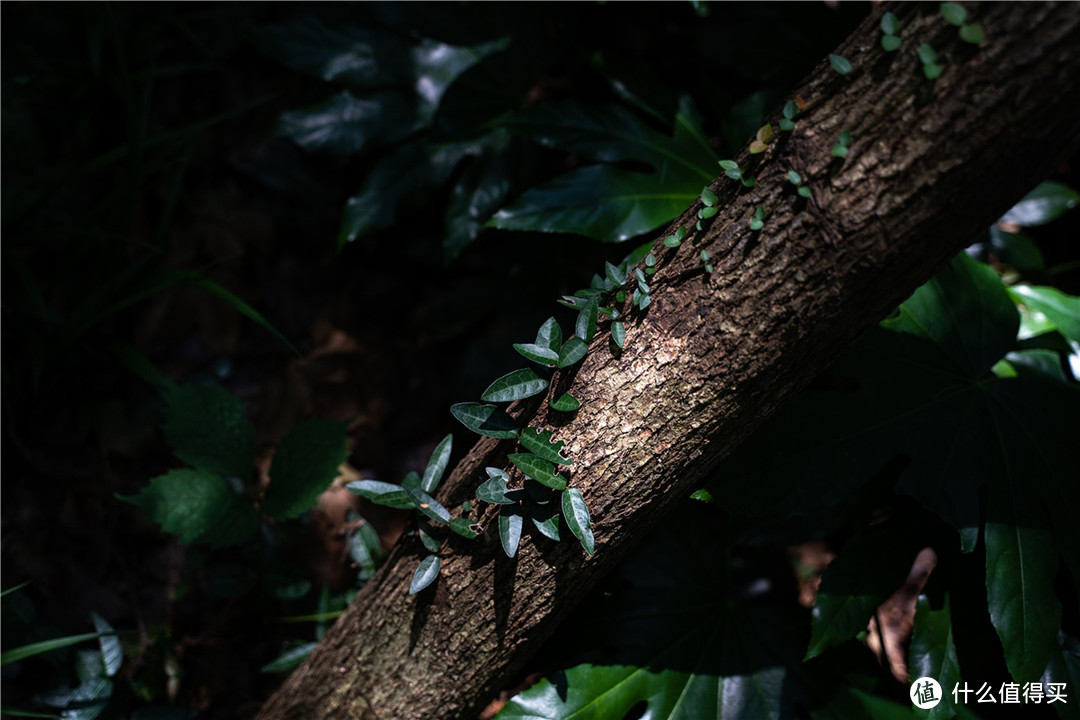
671,241
428,505
845,138
790,110
565,403
759,213
494,490
927,54
538,353
577,518
650,261
681,233
890,43
618,333
735,174
486,420
793,177
437,464
749,182
708,268
972,33
931,71
707,213
839,150
614,277
704,256
764,134
644,301
425,574
517,385
540,470
546,519
572,351
889,24
756,224
382,493
708,196
729,164
954,13
464,528
840,64
804,191
586,320
539,443
787,125
510,522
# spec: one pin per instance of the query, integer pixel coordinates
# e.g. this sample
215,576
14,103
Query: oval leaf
954,13
618,333
1048,201
586,320
486,420
515,386
425,574
539,443
382,493
437,464
550,335
494,490
572,351
840,64
428,505
538,469
464,528
510,522
889,25
546,520
577,518
565,403
538,353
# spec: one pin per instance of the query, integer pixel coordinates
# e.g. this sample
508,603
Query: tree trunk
931,165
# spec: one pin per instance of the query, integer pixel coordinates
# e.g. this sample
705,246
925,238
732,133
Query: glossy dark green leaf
565,403
538,353
464,528
972,33
538,469
487,420
696,657
436,466
539,443
494,490
305,463
515,386
864,574
889,24
428,505
206,428
618,333
112,652
933,654
954,13
545,518
840,64
577,518
1016,249
199,507
550,335
1048,201
428,539
890,43
426,573
604,202
510,524
287,660
346,124
708,196
1060,309
382,493
573,350
411,479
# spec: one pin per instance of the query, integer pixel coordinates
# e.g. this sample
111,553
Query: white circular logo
925,693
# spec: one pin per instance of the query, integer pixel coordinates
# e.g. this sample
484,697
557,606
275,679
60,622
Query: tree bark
931,165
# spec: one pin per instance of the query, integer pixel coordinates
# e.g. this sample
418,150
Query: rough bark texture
931,165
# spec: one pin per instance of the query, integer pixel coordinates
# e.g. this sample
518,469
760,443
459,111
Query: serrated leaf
494,489
618,334
428,505
487,420
510,524
540,470
199,507
305,463
933,653
464,528
425,574
515,386
572,351
382,493
576,513
954,13
587,319
840,64
1048,201
112,652
539,443
206,428
538,353
436,466
565,403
